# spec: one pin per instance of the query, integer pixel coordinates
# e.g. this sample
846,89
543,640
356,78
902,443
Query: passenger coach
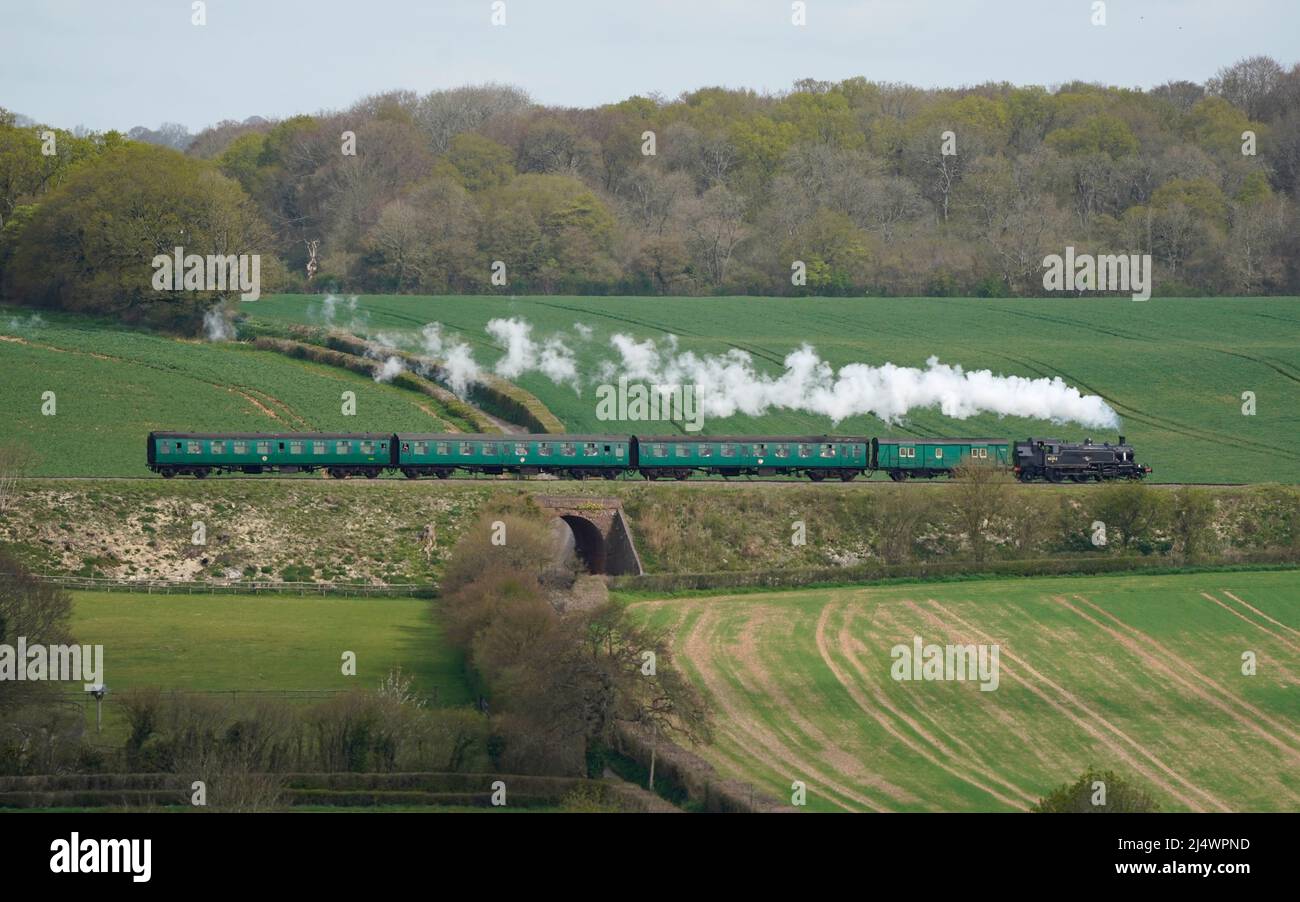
199,454
816,457
579,456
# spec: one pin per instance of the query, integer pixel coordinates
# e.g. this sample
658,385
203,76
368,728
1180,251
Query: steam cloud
729,384
217,325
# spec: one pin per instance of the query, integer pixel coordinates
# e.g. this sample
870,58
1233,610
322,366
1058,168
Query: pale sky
120,63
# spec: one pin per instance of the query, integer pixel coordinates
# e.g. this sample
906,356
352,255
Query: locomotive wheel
897,475
442,474
1054,476
372,473
168,472
201,473
816,476
337,473
847,476
410,474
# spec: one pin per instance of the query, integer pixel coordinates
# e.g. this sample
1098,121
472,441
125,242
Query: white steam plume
552,357
217,325
729,384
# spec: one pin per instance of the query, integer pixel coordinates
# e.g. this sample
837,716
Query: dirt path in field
1246,604
936,721
882,708
760,743
845,763
1158,657
1088,720
1285,640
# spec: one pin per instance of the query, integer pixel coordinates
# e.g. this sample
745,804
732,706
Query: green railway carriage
199,454
816,457
925,458
579,456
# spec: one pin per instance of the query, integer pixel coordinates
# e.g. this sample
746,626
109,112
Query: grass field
1174,369
113,386
1141,674
266,642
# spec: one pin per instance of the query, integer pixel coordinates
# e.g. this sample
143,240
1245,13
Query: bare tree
982,493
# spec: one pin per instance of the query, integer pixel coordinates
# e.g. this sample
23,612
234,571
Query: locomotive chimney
1121,439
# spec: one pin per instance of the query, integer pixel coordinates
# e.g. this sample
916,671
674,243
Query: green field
266,643
113,386
1174,369
1140,674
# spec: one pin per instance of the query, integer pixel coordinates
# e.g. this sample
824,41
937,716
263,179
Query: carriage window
218,447
590,449
544,449
521,449
191,447
805,451
761,450
420,447
318,448
442,448
466,449
683,450
938,453
568,449
165,448
782,450
241,447
618,450
728,450
706,450
659,450
342,447
263,447
490,449
367,447
828,450
295,447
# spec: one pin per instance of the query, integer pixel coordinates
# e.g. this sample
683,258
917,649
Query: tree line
844,188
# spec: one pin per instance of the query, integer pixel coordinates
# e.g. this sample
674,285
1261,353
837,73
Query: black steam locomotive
1057,461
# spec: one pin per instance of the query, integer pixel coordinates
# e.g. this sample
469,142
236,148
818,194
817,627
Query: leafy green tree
1131,508
1098,792
1191,519
90,245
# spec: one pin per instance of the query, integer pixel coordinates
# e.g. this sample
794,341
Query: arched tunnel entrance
588,542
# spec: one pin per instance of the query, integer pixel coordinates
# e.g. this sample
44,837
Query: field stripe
1250,606
763,745
875,712
1140,643
1093,722
1259,626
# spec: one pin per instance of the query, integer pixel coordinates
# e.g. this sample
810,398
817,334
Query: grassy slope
269,642
1173,368
801,685
114,386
